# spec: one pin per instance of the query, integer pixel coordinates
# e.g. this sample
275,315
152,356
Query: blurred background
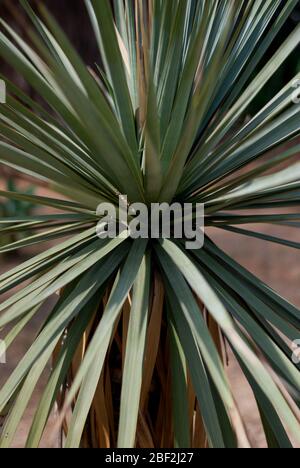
276,265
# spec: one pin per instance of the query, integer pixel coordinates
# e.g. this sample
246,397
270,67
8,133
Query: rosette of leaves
139,329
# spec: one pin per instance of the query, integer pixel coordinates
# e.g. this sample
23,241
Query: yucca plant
139,331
